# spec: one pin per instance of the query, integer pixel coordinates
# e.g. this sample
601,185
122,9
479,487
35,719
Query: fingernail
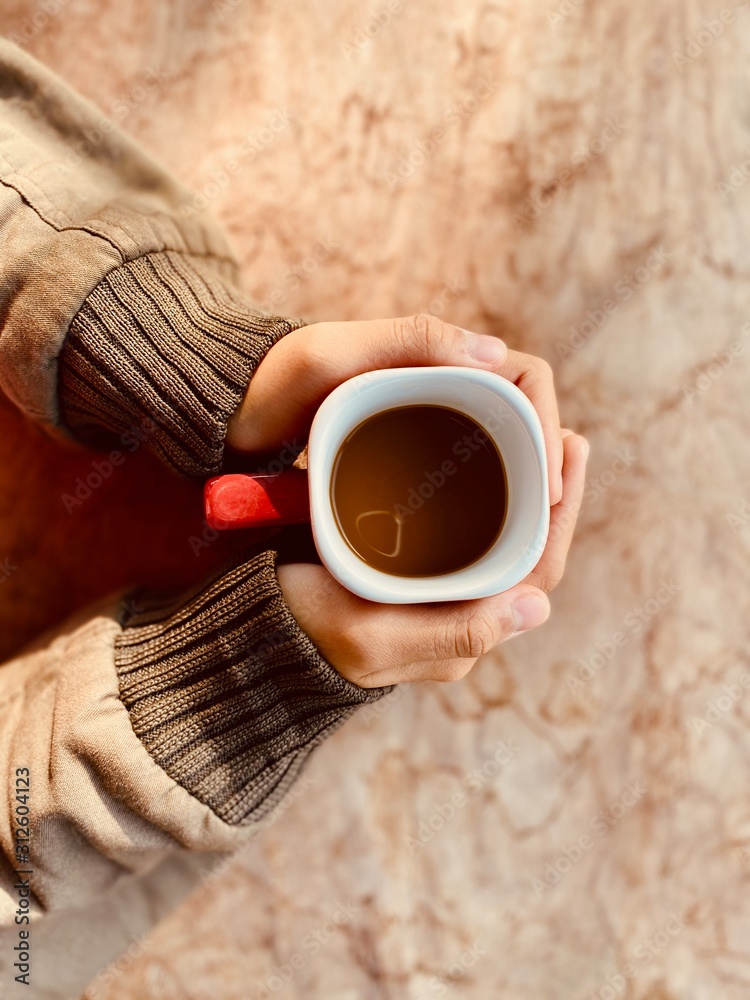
586,447
485,348
529,611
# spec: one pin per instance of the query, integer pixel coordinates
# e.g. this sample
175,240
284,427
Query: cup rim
350,569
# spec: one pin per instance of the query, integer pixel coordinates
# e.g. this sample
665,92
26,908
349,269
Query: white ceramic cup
508,418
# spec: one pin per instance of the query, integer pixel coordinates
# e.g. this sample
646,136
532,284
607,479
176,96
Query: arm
118,298
171,722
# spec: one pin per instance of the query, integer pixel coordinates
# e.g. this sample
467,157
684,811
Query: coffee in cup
419,490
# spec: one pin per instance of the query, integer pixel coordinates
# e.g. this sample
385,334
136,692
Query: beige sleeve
77,199
99,808
162,724
119,305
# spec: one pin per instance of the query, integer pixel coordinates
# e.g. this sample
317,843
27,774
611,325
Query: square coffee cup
510,421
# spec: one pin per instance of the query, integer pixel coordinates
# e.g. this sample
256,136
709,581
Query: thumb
305,366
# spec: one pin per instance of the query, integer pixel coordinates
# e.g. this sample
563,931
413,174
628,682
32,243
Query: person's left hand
374,645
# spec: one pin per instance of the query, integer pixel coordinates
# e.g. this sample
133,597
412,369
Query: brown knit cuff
163,347
227,693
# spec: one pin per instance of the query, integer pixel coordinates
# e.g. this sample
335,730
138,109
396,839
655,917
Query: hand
374,645
302,368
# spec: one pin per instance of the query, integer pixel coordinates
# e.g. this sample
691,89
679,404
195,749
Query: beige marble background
602,849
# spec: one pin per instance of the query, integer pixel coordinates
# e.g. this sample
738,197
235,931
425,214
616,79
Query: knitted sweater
154,723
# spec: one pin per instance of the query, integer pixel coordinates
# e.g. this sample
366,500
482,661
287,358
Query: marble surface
572,820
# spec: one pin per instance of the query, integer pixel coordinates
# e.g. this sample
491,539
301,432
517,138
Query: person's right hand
302,368
374,645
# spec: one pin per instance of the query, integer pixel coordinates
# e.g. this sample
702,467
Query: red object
244,501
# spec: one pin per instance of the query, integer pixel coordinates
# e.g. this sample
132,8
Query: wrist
164,341
275,406
312,596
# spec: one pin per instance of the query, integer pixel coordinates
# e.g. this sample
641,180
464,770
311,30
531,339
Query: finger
441,641
550,568
440,671
347,349
374,645
302,368
534,377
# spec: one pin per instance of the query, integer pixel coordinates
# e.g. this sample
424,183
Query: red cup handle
244,501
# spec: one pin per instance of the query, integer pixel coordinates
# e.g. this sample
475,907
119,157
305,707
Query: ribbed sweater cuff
227,693
164,347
